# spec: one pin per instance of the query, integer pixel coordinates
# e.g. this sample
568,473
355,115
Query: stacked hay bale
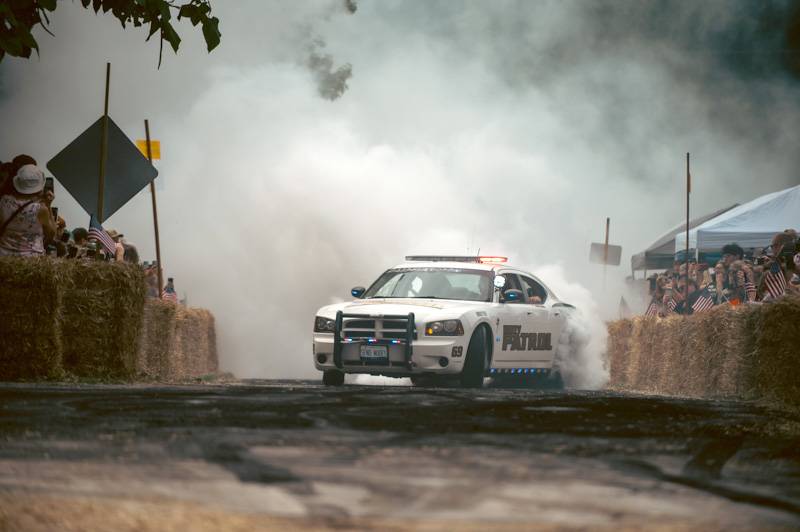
103,307
196,341
177,342
775,357
158,339
30,318
746,351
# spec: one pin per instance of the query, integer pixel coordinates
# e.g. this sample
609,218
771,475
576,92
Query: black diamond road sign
77,168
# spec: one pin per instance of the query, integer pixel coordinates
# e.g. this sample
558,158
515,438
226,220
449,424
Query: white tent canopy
751,225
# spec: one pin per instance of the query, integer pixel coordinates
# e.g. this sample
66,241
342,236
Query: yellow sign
155,148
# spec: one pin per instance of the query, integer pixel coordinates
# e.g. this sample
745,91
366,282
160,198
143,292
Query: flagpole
688,192
103,151
155,212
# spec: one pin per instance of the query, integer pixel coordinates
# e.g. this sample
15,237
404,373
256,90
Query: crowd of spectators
737,278
30,226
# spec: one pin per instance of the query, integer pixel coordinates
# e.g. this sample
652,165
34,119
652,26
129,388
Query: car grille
377,328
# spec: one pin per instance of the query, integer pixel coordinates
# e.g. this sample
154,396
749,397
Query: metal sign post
103,149
155,211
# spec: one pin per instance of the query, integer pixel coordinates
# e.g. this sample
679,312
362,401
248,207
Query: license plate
375,354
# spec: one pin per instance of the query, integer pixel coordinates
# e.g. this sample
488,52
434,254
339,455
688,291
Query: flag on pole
97,232
672,305
775,281
652,310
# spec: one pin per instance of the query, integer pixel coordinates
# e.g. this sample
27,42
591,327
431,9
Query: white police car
445,318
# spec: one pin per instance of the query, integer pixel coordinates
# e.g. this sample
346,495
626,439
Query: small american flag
750,290
671,305
169,296
652,310
97,232
774,281
703,303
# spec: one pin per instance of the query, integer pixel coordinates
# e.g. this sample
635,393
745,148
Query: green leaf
27,40
191,12
211,32
154,27
169,35
163,9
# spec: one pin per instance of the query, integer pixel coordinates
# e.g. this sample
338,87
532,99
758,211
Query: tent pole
688,191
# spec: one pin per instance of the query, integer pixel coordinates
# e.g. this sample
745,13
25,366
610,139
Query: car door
515,341
546,321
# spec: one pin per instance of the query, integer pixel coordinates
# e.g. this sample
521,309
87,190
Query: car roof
449,265
496,267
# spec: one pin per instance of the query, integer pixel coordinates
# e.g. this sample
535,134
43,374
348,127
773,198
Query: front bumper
426,357
410,352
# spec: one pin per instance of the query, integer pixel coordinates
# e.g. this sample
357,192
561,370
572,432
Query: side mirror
358,291
513,296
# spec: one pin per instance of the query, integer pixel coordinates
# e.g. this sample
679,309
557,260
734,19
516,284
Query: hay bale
157,340
103,305
197,342
747,351
177,342
30,318
775,358
619,339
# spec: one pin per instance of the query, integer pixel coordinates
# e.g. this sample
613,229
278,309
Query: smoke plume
331,83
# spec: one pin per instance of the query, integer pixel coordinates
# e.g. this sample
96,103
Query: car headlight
444,328
324,324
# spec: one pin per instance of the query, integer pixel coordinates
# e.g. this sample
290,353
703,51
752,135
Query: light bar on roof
455,258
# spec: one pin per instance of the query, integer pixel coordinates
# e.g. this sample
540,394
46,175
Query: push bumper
408,352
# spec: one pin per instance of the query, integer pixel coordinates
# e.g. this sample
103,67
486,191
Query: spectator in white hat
26,220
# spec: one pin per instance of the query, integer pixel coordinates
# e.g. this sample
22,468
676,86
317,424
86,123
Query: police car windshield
433,283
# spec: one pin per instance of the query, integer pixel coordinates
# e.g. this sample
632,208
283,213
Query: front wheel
477,360
332,377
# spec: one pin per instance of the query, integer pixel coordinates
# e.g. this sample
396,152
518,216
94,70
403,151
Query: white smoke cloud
581,353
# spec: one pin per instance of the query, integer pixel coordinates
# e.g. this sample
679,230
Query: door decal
516,340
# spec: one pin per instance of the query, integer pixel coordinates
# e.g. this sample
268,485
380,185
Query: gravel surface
269,455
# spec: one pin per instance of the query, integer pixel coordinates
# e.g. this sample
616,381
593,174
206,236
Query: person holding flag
169,293
105,242
773,282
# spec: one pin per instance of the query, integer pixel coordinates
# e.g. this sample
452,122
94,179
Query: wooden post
155,212
103,151
605,253
688,192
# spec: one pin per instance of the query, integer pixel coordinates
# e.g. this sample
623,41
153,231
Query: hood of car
420,307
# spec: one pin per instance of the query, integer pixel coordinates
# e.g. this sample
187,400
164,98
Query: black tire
332,377
477,360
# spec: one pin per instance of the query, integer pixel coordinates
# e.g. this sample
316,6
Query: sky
319,144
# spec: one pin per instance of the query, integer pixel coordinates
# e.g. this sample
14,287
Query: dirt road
290,455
